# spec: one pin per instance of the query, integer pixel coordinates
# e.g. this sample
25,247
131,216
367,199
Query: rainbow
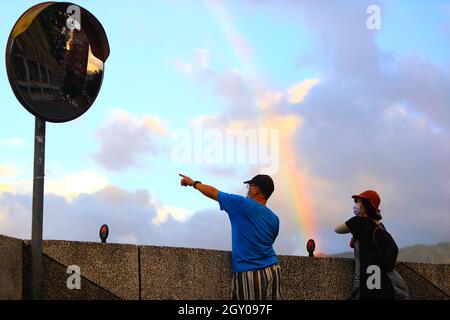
294,180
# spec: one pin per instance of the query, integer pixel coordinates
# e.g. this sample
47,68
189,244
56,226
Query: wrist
195,184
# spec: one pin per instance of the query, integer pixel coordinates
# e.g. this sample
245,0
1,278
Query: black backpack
385,250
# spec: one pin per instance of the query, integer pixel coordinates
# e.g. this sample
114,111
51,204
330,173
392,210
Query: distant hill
438,253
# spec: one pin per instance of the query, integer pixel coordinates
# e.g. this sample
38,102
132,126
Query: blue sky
173,62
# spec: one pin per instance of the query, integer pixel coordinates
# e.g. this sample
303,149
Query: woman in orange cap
363,225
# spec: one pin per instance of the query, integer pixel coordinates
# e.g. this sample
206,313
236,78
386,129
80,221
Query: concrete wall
305,278
437,274
119,271
54,282
111,266
180,273
10,268
420,287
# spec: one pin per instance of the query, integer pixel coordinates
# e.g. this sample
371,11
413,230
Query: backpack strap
378,226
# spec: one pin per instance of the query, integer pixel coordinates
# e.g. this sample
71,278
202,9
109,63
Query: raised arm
342,229
207,190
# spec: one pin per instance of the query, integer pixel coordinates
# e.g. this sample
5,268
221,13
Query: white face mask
356,210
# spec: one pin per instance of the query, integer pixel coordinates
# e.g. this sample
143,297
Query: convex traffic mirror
55,59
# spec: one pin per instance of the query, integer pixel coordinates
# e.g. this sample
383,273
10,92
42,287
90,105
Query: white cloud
199,62
197,66
267,100
125,137
68,186
299,91
129,216
8,171
163,212
205,120
72,185
186,68
12,142
127,238
202,57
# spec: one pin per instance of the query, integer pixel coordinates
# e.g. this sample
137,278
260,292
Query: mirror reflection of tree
53,21
93,84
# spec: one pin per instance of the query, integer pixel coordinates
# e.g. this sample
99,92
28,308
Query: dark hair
371,211
264,193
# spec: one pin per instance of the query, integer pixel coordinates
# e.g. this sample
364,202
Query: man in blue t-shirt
254,228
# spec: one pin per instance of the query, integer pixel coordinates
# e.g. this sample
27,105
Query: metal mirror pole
38,205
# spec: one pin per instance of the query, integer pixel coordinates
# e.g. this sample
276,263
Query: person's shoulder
271,213
355,219
230,196
362,223
356,223
229,201
361,219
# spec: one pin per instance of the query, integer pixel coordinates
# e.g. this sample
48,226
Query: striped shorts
260,284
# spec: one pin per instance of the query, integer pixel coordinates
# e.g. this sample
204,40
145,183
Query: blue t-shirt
254,228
